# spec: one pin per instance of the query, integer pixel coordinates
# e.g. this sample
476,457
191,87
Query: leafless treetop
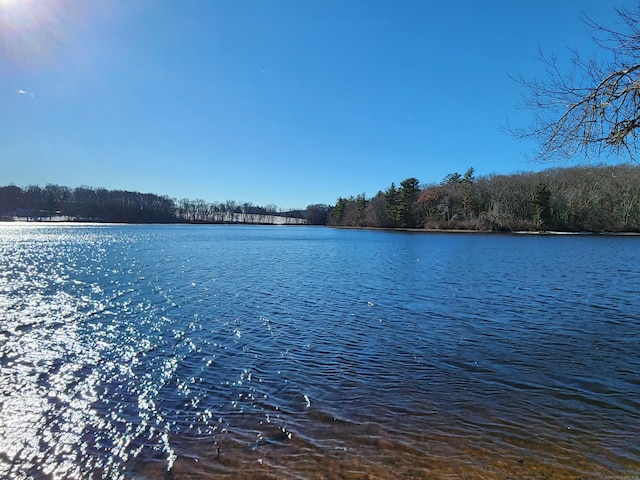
593,110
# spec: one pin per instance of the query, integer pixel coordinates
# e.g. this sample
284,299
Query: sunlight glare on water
257,352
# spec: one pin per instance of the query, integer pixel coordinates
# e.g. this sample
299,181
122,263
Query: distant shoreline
94,222
384,229
292,221
492,232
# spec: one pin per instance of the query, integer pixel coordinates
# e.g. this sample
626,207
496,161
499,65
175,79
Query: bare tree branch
594,109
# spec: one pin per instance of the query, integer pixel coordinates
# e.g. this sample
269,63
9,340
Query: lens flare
31,31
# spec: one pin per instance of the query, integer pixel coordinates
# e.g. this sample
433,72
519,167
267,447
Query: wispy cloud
24,92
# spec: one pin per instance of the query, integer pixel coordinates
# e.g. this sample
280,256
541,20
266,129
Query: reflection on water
259,352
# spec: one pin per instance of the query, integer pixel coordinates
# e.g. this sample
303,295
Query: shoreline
384,229
487,232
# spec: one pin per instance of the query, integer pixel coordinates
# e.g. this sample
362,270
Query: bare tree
593,109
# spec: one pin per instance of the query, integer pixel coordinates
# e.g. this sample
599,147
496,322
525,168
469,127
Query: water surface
184,352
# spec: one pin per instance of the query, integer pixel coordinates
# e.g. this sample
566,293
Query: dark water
187,352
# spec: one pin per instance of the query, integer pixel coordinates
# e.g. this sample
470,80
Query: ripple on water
128,351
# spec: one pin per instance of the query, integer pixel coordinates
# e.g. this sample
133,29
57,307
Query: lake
260,352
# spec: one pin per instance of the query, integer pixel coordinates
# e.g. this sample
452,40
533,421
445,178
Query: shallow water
184,352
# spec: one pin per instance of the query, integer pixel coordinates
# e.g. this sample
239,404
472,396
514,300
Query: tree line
587,198
584,198
121,206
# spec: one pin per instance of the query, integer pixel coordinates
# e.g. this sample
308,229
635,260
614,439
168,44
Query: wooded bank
119,206
588,198
591,198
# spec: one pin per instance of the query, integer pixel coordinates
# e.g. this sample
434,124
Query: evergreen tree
392,206
409,192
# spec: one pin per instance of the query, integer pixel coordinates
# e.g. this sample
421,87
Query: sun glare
15,10
31,29
9,3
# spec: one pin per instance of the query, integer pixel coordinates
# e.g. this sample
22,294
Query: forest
586,198
88,204
574,199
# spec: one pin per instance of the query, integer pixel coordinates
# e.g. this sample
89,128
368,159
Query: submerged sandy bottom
371,453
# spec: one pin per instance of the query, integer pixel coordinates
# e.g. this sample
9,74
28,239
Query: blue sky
285,102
